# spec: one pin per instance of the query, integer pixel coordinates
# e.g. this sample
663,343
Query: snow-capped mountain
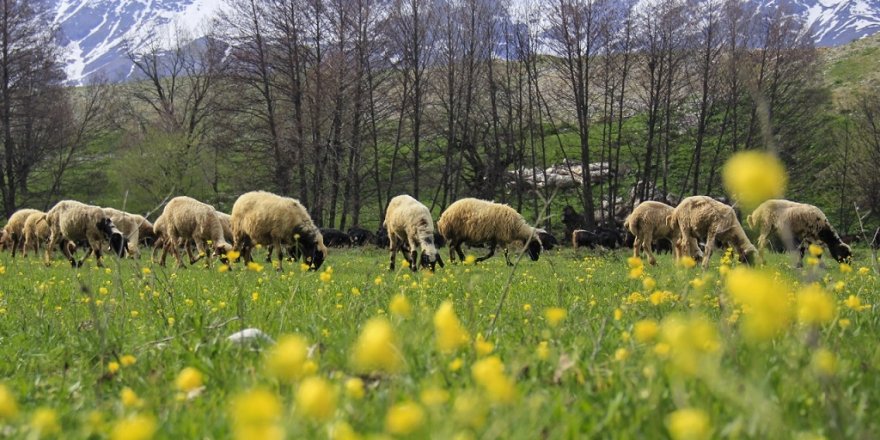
96,33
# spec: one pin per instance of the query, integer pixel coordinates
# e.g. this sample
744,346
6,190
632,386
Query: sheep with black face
798,225
479,221
77,222
264,218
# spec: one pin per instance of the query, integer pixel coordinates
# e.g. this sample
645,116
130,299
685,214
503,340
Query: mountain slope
95,33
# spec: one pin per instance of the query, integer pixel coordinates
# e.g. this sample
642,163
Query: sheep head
839,250
430,261
118,241
5,239
220,250
534,248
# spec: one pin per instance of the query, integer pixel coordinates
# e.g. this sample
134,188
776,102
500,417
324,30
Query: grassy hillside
851,68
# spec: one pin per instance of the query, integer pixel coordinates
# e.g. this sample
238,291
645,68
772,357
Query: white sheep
36,232
76,222
701,217
185,219
409,223
475,221
797,222
647,223
264,218
13,232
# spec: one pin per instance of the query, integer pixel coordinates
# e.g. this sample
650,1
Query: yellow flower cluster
450,334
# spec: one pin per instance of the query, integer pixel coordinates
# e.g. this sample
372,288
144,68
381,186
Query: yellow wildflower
687,262
354,388
8,405
189,379
434,396
113,367
752,177
232,256
555,315
845,268
286,360
127,360
815,306
815,250
543,350
316,399
404,418
136,427
256,415
688,424
450,335
129,398
400,306
621,354
769,310
646,330
482,346
853,302
649,284
376,348
254,266
824,362
489,374
44,422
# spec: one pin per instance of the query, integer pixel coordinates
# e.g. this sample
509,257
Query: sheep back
260,217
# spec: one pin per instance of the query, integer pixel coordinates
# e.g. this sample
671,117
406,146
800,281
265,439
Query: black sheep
359,236
335,238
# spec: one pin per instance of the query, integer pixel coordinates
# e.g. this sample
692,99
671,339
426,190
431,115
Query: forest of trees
344,104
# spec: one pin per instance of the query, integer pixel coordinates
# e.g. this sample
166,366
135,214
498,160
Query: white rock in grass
250,335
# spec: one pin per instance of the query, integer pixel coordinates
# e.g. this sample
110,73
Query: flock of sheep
283,224
701,218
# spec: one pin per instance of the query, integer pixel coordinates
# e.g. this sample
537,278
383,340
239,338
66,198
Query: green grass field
97,353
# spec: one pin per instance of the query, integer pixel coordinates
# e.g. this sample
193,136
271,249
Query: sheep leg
458,251
199,247
414,256
637,247
280,249
89,251
176,251
507,257
647,244
270,248
490,254
16,242
710,246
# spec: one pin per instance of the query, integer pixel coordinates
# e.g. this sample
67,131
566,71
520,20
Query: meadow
577,344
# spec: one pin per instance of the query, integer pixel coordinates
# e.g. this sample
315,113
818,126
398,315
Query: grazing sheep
381,239
335,238
647,223
36,232
13,232
479,221
132,226
603,236
161,242
409,221
797,222
548,240
359,236
701,217
189,219
264,218
77,222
